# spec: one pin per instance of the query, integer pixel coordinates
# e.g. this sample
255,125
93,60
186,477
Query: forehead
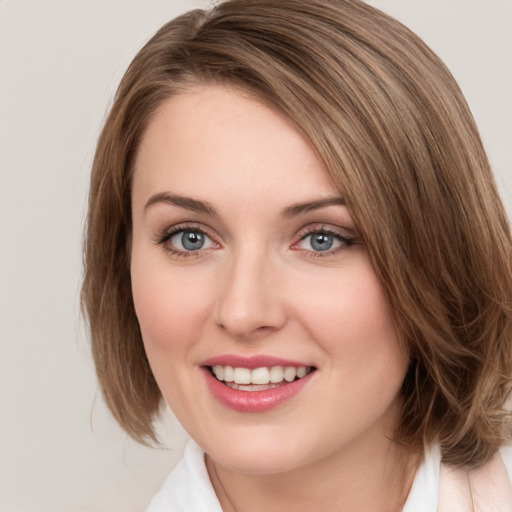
214,139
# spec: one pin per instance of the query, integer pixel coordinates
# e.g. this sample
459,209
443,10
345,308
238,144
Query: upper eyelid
187,226
322,229
326,228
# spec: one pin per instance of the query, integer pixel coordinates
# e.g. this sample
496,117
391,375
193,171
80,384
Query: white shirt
188,487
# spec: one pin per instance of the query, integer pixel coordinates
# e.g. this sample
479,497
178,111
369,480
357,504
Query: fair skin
242,271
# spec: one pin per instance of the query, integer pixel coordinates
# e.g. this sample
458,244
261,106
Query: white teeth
219,372
276,374
290,373
260,376
242,375
228,374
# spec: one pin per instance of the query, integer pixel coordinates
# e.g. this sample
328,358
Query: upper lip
251,362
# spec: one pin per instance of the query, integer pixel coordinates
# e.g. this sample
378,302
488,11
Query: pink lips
250,362
253,401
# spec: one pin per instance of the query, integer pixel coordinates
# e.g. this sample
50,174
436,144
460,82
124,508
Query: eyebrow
301,208
197,206
183,202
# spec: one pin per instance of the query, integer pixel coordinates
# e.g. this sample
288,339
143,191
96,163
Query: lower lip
254,401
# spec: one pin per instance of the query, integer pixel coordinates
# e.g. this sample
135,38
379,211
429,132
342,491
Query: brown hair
393,128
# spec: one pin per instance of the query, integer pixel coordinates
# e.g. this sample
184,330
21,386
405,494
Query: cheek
355,328
351,319
171,311
170,308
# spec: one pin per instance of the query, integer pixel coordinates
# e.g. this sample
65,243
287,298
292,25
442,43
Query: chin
260,454
258,462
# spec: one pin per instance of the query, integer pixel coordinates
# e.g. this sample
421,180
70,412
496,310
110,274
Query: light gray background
60,62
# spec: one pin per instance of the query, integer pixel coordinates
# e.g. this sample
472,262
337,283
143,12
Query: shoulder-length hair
396,135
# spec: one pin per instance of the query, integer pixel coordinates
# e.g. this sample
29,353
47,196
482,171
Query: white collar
188,487
424,492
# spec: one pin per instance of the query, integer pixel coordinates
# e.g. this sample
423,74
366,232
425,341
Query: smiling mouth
259,379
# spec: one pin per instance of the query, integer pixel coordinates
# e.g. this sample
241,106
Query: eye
323,241
190,240
182,240
320,242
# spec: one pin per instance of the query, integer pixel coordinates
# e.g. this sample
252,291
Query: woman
295,240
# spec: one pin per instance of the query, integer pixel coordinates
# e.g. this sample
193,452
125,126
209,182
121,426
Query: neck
351,479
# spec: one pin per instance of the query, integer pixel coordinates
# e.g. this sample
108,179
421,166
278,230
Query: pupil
321,242
192,241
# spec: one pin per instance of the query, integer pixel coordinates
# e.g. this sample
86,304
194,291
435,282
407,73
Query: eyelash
346,241
165,236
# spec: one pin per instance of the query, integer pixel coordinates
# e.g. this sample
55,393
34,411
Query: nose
249,303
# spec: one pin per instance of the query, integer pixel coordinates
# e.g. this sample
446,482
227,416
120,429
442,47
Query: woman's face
246,262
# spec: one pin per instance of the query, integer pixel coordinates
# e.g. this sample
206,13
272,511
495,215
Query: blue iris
192,240
321,241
